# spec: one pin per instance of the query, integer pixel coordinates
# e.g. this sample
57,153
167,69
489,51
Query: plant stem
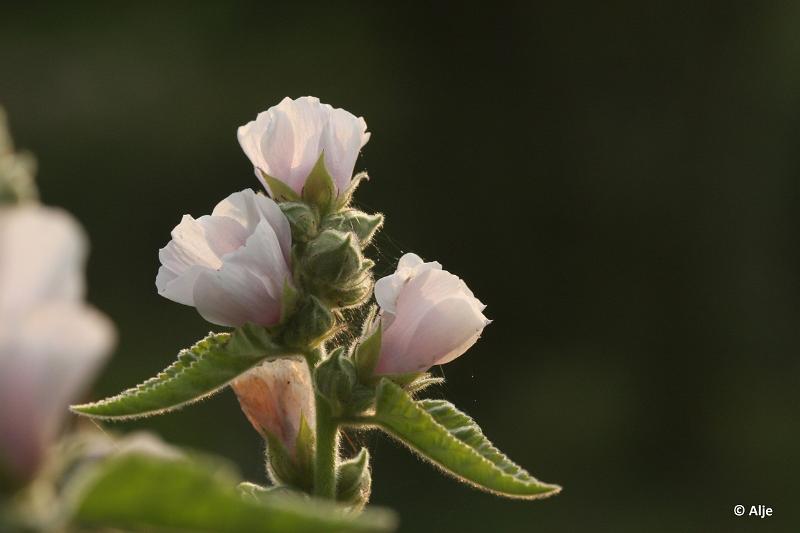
327,451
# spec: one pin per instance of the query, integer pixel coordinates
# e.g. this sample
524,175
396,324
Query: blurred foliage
621,181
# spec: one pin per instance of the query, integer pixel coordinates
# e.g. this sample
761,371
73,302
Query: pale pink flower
285,141
51,343
231,265
428,315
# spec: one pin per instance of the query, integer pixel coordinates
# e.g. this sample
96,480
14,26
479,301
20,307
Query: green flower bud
362,224
355,481
302,219
309,324
334,269
335,378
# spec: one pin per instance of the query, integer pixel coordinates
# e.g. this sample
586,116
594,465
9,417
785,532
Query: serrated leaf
452,440
198,372
146,493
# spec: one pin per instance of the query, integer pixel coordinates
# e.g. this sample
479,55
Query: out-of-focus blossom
230,265
51,342
429,317
286,141
274,395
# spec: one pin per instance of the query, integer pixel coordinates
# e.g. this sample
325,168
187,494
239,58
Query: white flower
51,342
230,265
274,395
429,317
285,141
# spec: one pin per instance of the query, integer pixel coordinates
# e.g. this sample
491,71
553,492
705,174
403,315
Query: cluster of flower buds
290,262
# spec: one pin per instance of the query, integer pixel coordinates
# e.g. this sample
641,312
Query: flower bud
285,142
363,225
231,265
302,219
335,379
278,399
354,481
428,317
335,270
16,170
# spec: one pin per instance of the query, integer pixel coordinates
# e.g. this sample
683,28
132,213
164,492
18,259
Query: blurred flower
274,395
285,141
230,265
51,342
428,315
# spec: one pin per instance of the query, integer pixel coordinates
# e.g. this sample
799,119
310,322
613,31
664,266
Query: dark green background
617,181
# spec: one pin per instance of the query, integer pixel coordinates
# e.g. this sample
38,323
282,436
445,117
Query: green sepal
135,492
363,225
422,382
303,220
283,469
354,480
290,299
292,470
448,438
278,190
368,351
346,196
304,452
200,371
319,189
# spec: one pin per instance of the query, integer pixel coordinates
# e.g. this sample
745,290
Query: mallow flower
231,265
275,396
286,141
51,342
428,317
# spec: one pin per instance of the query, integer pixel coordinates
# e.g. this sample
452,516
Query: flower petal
196,245
45,364
42,253
249,209
248,286
343,137
273,396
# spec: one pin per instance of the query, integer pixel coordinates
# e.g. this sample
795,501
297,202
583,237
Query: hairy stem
327,451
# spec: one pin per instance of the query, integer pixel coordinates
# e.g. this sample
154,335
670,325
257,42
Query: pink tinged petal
436,319
343,137
45,364
274,395
196,245
308,117
249,285
387,289
42,253
250,136
249,209
277,148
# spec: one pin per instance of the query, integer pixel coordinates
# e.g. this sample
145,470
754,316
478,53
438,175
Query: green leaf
199,372
452,440
146,493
